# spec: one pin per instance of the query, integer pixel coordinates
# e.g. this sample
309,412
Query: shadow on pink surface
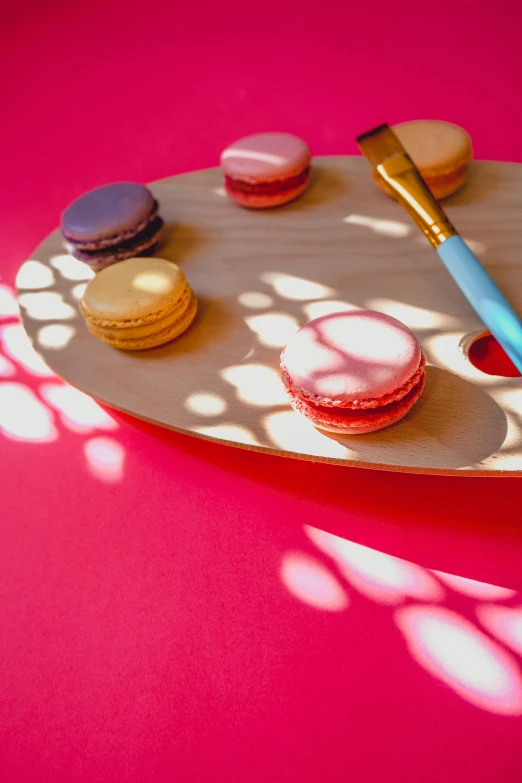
171,649
463,526
415,623
460,511
33,411
35,405
444,642
503,622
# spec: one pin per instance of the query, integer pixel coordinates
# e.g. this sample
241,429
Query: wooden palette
260,275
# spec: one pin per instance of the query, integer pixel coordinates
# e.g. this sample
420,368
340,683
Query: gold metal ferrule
403,178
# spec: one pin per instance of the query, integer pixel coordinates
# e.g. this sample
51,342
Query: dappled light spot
105,458
454,651
55,336
511,461
7,368
78,411
444,350
78,291
474,589
229,432
46,306
513,435
340,360
308,580
255,300
382,340
256,384
414,317
34,275
504,623
152,282
475,245
387,228
273,329
70,268
18,346
378,576
264,157
511,398
23,417
317,309
206,404
292,432
8,304
296,288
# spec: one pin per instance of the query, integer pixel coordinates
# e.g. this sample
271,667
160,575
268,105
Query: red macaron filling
365,413
357,405
364,416
267,188
353,420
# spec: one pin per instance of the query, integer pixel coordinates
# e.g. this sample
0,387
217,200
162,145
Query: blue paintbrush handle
484,296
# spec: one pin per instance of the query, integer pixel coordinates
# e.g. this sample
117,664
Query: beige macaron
138,303
440,150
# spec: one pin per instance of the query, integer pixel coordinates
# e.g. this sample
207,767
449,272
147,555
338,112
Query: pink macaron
266,170
353,372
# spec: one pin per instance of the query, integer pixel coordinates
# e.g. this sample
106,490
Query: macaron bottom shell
361,421
144,243
257,199
446,185
158,333
441,187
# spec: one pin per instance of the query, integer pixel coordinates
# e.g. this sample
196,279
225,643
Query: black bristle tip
372,132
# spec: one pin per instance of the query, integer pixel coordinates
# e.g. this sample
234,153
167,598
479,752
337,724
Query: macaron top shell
355,358
107,211
134,289
435,147
265,156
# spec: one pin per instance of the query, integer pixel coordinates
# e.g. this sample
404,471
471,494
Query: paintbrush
391,161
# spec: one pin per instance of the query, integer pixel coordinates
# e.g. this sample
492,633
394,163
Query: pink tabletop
173,610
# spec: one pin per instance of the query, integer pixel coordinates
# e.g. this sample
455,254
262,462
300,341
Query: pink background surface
171,610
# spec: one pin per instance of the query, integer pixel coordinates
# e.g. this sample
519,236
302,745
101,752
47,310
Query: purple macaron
112,223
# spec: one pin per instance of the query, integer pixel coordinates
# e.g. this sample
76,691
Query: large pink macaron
353,372
266,170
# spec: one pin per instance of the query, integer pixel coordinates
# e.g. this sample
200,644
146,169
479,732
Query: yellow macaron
440,150
139,303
